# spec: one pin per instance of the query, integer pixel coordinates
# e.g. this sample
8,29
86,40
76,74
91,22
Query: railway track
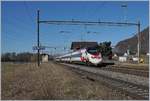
142,68
143,73
125,70
136,91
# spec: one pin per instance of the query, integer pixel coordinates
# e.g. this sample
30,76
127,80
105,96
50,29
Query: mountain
131,43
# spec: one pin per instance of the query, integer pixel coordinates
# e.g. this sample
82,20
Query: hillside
131,43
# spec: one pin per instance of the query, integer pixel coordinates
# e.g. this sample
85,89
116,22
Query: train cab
94,56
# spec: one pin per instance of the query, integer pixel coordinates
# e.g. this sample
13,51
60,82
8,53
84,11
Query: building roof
79,45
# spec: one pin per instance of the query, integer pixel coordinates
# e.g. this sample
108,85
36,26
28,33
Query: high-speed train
86,55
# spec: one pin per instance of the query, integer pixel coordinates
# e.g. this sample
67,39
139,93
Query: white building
44,57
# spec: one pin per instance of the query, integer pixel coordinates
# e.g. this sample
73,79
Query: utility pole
38,38
138,37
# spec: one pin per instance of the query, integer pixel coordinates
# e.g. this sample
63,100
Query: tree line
105,48
19,57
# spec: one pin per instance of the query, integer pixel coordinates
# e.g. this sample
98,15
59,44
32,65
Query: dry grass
50,81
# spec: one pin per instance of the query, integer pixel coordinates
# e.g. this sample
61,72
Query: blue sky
19,29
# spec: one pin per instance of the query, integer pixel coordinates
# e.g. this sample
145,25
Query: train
88,56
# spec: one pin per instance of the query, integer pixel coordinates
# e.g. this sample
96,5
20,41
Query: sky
19,23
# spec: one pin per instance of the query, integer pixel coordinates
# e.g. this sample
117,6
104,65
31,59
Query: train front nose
96,59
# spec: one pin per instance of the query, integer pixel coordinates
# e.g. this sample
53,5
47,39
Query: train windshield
92,51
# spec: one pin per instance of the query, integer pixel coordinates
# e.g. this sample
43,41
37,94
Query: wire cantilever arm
61,22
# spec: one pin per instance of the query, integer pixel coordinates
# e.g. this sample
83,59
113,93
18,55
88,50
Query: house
79,45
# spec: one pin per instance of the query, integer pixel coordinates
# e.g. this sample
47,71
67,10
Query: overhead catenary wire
70,22
28,11
13,39
16,32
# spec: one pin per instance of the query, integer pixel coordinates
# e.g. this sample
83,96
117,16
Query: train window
92,51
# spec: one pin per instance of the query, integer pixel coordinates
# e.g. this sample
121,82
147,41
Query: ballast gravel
117,75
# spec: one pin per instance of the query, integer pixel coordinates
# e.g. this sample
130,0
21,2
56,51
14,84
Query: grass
50,82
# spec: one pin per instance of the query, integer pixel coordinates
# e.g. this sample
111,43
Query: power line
28,11
17,26
13,32
13,39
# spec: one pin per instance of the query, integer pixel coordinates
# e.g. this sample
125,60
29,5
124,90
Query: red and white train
86,55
